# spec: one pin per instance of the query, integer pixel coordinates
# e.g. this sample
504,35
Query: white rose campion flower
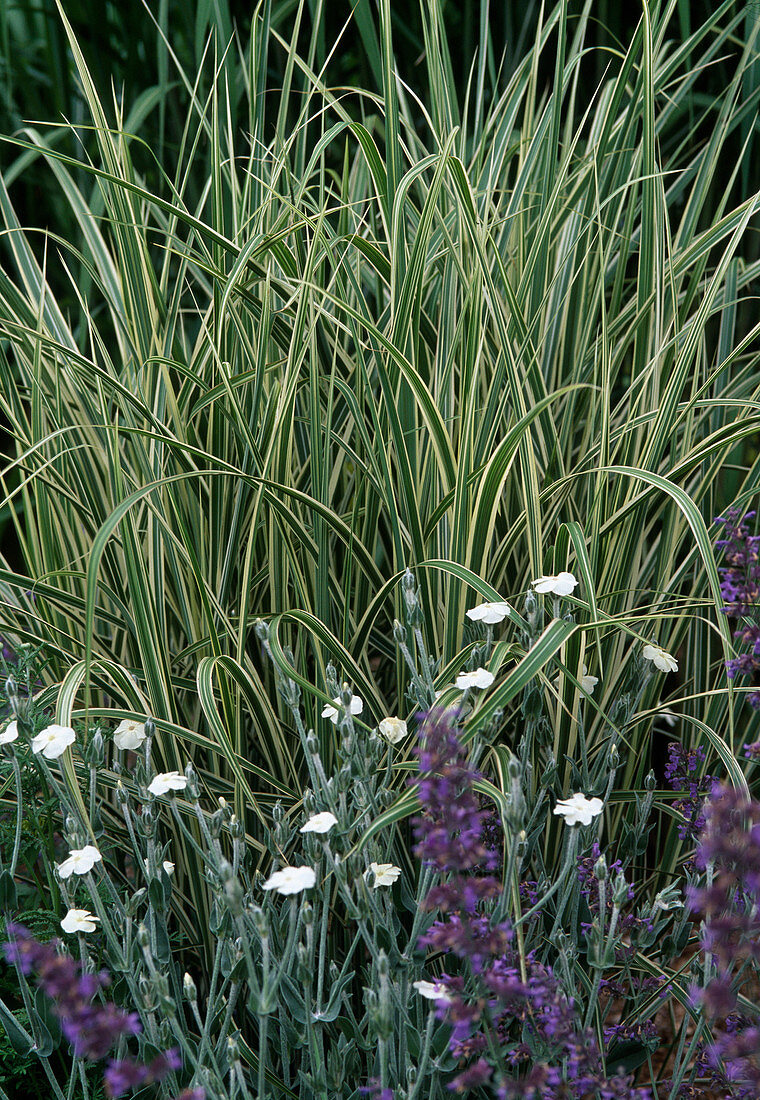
385,874
659,658
291,880
393,730
79,920
333,712
433,991
129,734
9,734
480,678
578,810
489,613
167,781
588,682
319,823
53,741
80,861
561,585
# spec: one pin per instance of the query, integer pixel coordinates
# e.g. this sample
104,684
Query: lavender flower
125,1074
681,773
513,1029
729,847
91,1028
740,588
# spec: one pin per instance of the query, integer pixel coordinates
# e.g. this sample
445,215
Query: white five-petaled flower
489,613
433,991
79,920
333,712
167,781
9,734
80,861
480,678
291,880
561,585
393,730
385,874
319,823
588,682
659,658
53,741
129,734
578,810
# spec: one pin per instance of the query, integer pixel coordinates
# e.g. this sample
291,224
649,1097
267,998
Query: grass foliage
499,330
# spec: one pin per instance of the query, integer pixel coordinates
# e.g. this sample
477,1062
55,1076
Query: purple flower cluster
681,773
93,1027
513,1028
740,588
729,850
124,1074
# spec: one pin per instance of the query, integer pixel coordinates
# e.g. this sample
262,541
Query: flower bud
150,728
614,756
399,633
189,990
143,937
600,868
260,923
95,752
620,891
122,794
136,900
235,827
262,630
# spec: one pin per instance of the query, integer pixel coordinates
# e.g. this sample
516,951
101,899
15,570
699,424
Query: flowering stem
322,953
19,815
423,1059
570,848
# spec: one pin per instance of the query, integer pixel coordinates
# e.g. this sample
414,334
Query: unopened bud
189,990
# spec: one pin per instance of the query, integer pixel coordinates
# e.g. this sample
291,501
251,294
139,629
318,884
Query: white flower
291,880
393,730
79,920
385,874
659,658
319,823
53,741
80,861
578,810
333,713
588,683
561,585
480,678
129,734
489,613
433,991
167,866
10,733
167,781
